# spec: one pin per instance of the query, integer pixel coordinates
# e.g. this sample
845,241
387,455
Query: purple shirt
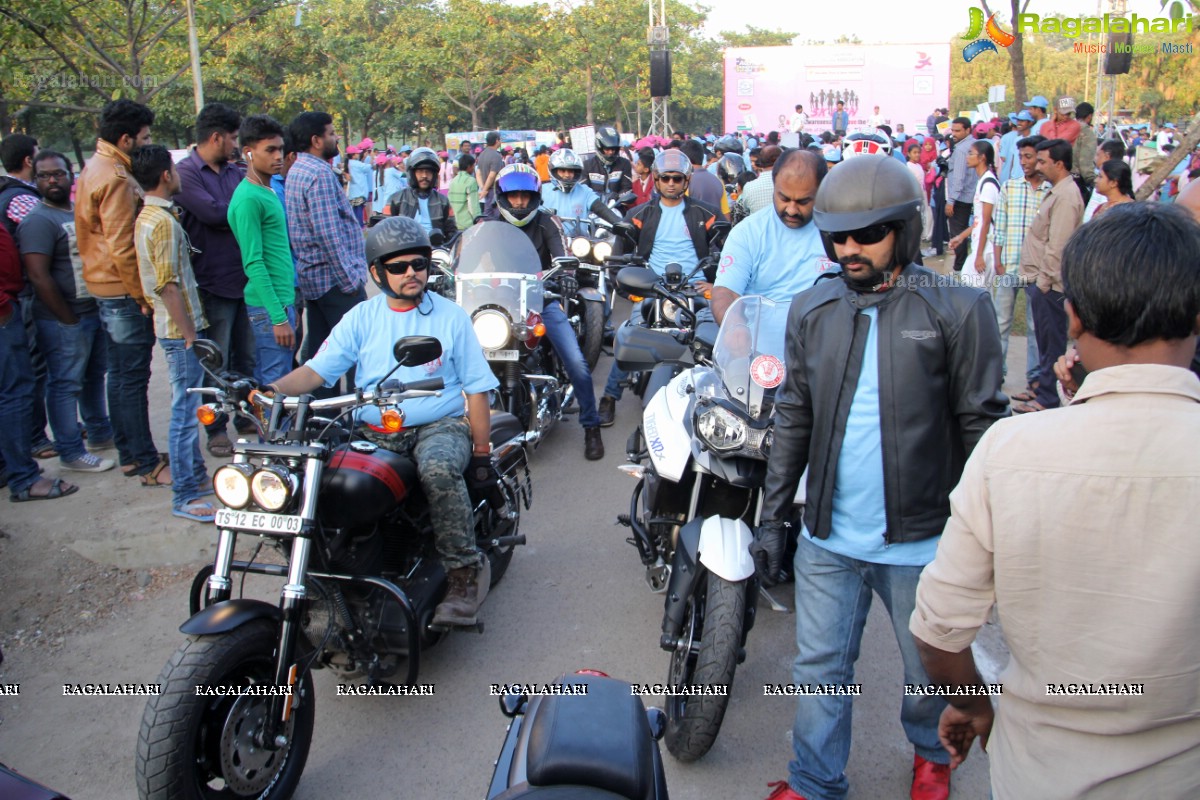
327,241
204,202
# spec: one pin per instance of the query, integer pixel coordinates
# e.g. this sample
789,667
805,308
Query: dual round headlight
580,247
492,329
602,250
272,488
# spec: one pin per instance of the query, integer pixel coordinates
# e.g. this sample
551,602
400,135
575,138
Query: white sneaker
89,463
928,251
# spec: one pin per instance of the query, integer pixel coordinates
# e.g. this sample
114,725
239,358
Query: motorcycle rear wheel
593,333
717,618
188,742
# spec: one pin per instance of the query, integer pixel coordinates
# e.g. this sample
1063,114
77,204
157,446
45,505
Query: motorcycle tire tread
593,333
690,738
162,748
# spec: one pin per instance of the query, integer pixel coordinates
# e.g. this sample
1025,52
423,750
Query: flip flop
58,488
1025,396
196,511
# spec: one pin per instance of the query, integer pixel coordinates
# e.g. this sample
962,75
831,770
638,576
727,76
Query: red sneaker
930,781
781,791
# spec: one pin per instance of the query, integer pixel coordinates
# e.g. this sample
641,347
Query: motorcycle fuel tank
362,483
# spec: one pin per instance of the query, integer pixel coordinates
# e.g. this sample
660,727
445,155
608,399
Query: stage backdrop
764,84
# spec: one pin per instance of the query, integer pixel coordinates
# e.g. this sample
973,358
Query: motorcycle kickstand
772,602
477,628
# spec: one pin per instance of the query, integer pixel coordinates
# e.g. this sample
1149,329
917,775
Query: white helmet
866,144
565,159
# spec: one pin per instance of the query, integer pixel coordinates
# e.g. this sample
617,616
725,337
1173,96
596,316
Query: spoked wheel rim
683,661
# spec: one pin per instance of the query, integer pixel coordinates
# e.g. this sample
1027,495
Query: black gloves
483,481
767,551
564,285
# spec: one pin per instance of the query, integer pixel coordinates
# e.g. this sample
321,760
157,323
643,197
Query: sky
885,20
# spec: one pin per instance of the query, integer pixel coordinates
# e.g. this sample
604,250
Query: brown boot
593,447
468,586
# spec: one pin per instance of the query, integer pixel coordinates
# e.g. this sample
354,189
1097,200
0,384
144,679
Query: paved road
574,597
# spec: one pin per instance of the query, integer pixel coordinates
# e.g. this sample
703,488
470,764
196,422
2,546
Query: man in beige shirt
1080,527
1041,258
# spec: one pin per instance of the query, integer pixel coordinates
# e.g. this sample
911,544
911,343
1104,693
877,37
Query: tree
1016,51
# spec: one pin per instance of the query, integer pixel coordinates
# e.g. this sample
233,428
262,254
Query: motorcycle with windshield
498,281
352,528
700,458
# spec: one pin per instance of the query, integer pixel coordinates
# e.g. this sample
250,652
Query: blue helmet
518,178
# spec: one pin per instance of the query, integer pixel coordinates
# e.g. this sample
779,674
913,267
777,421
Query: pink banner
764,84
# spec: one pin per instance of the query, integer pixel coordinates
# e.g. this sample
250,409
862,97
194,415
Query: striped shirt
164,256
1018,205
759,193
326,238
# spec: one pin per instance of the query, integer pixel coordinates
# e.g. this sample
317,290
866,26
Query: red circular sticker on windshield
767,371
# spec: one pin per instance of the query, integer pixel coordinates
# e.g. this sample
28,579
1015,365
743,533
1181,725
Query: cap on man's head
1025,116
352,150
1038,102
406,148
1170,125
1066,105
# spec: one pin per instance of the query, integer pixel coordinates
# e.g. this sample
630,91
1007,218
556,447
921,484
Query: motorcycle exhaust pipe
508,541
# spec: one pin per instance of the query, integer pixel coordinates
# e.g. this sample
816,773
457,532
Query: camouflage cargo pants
441,451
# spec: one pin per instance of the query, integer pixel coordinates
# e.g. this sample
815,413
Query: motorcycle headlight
602,250
232,484
273,488
720,429
492,329
580,247
670,312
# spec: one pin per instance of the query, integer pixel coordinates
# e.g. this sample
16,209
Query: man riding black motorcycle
607,173
673,230
570,198
436,435
421,200
519,200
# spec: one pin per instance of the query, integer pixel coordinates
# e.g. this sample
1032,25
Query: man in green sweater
464,193
258,222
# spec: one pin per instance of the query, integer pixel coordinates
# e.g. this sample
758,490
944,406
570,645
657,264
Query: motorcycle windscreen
748,353
498,267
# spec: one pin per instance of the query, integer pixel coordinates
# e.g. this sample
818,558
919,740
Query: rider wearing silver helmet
421,200
569,198
442,440
891,377
606,172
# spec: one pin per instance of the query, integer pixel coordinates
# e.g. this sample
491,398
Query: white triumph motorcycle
700,461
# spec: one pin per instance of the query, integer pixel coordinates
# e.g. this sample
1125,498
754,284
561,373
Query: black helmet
607,136
421,158
729,167
393,236
867,190
728,144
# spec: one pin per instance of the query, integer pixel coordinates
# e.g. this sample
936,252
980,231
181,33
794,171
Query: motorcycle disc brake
247,767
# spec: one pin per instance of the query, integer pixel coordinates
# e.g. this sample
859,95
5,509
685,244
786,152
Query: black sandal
58,488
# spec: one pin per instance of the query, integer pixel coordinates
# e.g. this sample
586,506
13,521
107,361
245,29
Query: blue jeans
1004,296
16,404
271,361
229,327
183,438
613,387
833,596
76,360
562,337
130,347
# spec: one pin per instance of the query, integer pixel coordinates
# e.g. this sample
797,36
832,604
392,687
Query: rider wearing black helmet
421,200
606,172
891,377
437,435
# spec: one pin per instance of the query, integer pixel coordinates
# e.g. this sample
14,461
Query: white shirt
799,120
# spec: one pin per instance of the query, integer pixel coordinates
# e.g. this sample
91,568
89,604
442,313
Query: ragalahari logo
995,35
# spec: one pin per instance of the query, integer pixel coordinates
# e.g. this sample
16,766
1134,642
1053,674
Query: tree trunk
78,145
591,118
1016,54
1182,151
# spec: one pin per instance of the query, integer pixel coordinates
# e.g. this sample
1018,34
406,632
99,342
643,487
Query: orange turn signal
636,298
391,420
708,294
206,414
539,330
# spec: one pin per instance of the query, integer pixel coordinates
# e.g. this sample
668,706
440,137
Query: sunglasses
872,234
672,178
419,264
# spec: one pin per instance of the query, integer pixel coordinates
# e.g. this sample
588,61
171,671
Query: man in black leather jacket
892,376
606,172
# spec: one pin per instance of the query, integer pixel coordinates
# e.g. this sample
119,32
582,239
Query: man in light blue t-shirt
775,252
437,436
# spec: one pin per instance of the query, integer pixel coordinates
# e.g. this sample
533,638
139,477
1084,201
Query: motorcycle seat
504,427
601,740
526,792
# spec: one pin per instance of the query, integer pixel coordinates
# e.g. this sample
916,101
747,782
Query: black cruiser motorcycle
361,582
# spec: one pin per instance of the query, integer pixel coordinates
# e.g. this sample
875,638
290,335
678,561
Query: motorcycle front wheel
716,618
593,332
196,747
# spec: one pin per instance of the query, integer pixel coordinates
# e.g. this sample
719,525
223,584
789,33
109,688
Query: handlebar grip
427,385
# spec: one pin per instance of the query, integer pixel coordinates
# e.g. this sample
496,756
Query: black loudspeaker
1120,54
660,73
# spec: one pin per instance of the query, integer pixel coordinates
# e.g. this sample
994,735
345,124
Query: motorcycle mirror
637,280
658,722
412,351
566,262
706,335
512,704
209,354
718,230
627,199
674,274
437,238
